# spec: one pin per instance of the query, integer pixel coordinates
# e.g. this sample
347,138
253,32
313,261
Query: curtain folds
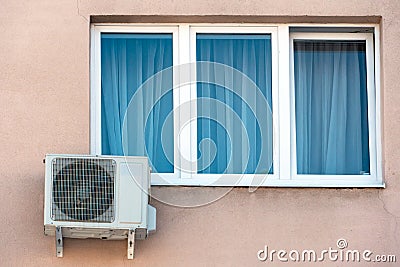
224,119
128,61
331,107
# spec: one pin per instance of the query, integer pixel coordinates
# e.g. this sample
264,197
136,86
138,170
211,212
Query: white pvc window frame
284,147
239,179
374,177
95,92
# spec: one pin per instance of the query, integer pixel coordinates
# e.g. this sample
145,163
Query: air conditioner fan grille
83,189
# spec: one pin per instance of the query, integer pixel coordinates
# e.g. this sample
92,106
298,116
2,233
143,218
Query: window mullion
284,106
193,103
184,90
176,101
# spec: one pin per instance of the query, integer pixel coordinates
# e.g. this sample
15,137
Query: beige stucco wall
44,108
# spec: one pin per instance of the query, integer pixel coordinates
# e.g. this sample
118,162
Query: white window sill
363,181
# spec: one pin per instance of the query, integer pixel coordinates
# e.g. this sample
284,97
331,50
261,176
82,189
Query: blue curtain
331,107
127,61
221,144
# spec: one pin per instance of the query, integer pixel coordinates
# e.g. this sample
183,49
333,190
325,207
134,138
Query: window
225,105
128,60
251,55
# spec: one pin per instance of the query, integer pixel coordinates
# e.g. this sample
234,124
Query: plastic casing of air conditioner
131,195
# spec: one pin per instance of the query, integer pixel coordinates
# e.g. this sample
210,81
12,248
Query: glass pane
127,62
331,107
234,125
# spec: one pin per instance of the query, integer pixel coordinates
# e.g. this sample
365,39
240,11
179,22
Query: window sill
269,181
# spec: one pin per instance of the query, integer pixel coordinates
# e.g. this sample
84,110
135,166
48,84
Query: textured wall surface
44,108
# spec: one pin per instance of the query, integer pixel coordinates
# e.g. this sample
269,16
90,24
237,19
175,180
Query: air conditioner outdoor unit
102,197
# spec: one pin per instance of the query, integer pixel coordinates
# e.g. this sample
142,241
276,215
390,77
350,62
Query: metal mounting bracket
59,242
131,244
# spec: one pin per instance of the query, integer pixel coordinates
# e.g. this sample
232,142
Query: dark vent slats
83,189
